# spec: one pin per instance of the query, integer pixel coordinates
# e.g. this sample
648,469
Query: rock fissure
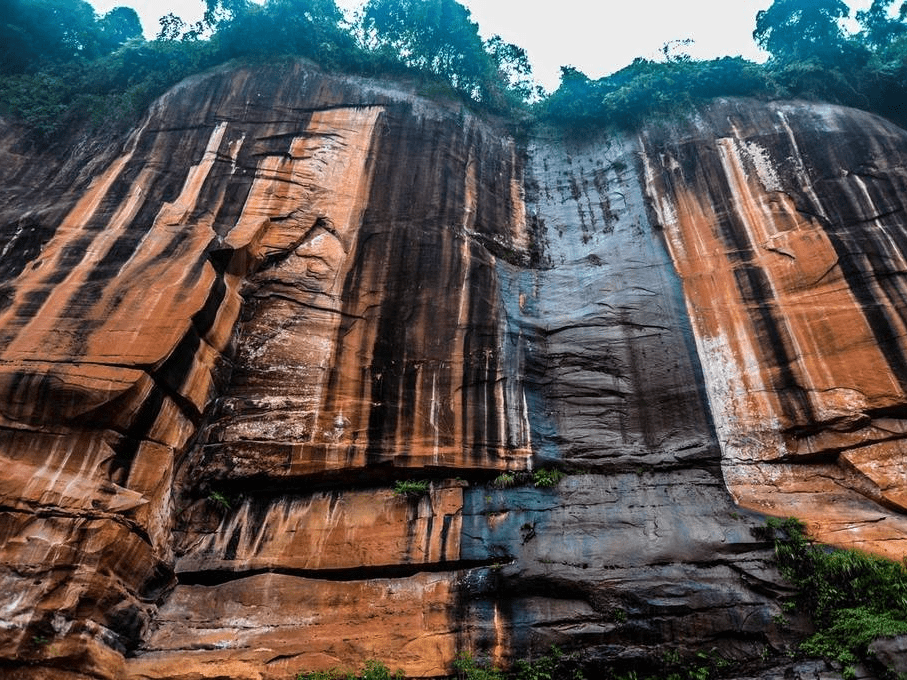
389,571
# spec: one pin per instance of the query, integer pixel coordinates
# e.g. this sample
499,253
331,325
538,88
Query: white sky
596,36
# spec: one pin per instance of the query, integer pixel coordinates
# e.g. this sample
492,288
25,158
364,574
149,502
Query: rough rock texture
787,226
225,338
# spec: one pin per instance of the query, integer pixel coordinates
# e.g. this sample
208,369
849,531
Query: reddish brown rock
226,337
333,530
786,225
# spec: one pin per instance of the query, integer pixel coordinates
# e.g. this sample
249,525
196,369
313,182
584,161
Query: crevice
56,511
259,294
379,474
832,455
180,128
216,577
880,216
274,258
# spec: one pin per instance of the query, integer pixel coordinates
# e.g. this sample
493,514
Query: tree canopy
792,30
59,60
34,33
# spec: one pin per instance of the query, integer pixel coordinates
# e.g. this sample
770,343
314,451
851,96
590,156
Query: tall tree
799,30
879,27
309,28
33,32
513,67
221,12
437,36
119,25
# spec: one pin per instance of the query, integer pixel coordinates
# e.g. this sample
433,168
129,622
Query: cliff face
787,227
225,339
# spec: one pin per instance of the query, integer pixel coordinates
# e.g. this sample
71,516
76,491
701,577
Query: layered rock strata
225,339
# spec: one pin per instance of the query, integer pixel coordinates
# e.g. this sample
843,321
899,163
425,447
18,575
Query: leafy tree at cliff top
812,56
39,32
310,28
439,37
792,30
879,28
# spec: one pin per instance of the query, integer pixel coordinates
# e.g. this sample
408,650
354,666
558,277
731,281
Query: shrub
853,598
411,488
555,665
374,670
469,669
505,480
546,478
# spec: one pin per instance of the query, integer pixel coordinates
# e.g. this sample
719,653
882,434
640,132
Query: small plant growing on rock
505,480
469,669
411,488
219,500
545,478
374,670
508,480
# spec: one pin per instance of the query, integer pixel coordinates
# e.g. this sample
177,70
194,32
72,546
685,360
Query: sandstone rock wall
787,226
227,337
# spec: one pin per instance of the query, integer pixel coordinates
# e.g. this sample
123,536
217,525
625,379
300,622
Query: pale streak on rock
792,365
334,530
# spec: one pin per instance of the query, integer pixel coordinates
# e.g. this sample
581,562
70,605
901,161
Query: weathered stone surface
224,339
891,653
786,223
619,374
271,625
333,530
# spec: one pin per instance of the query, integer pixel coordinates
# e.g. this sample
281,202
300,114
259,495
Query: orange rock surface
227,336
784,222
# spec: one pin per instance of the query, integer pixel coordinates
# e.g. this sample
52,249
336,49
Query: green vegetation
219,500
438,37
812,57
411,488
542,478
545,478
675,666
555,665
853,598
374,670
505,480
61,64
469,669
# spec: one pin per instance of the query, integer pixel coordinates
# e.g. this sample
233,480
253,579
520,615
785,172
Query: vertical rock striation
226,338
296,274
786,223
